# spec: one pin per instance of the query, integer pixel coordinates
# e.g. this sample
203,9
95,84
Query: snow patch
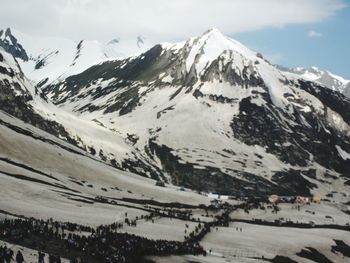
345,155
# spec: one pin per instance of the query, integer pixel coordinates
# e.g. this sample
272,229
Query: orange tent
316,199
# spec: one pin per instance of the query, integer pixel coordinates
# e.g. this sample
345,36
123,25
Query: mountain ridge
326,78
54,58
208,114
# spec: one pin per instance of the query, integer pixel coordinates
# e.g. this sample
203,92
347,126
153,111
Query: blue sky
328,48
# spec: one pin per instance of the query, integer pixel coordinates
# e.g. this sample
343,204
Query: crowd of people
183,214
103,244
7,255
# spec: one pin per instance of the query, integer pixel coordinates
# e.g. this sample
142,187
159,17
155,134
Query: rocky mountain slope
19,98
208,114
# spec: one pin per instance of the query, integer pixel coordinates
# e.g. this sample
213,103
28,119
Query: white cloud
159,20
314,34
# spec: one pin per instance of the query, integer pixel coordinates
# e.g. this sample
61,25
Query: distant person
19,257
2,254
41,257
8,255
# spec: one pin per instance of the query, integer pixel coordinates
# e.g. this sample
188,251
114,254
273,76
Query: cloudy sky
289,32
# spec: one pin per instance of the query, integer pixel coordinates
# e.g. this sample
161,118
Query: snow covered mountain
326,78
44,59
90,145
209,114
213,115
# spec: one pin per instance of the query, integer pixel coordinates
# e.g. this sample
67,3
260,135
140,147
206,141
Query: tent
302,200
316,199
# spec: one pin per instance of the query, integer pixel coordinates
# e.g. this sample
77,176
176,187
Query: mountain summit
207,47
11,45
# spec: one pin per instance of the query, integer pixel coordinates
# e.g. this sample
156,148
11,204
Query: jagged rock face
12,78
10,44
254,125
306,137
212,115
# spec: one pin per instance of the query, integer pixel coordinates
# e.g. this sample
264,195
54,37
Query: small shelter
316,199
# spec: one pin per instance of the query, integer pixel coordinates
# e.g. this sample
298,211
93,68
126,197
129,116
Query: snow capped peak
215,57
211,31
54,57
209,46
316,69
11,45
5,33
214,36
